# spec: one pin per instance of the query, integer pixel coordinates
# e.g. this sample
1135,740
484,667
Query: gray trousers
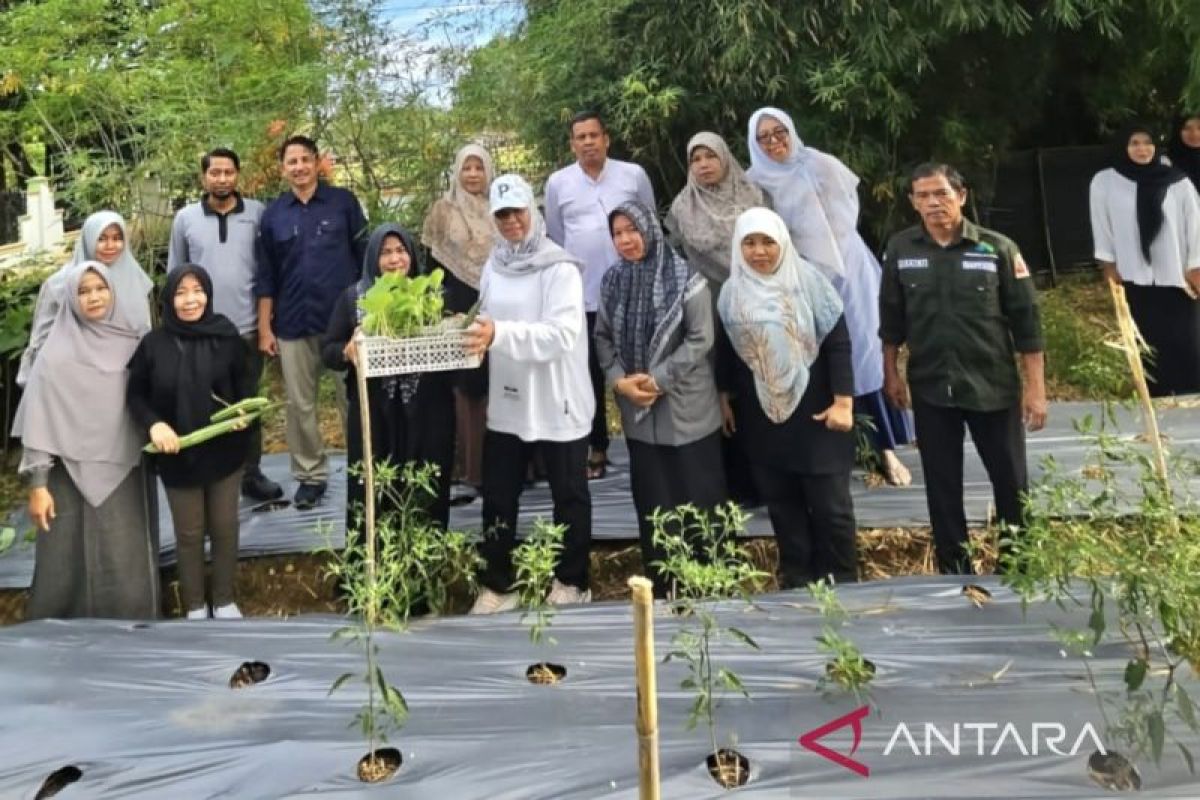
211,509
300,360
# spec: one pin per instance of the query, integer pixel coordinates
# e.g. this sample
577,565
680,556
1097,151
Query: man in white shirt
579,199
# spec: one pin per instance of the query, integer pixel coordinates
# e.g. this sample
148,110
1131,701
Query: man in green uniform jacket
961,298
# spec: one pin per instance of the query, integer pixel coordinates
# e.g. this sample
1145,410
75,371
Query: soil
729,768
284,586
58,780
1114,772
248,674
379,766
545,674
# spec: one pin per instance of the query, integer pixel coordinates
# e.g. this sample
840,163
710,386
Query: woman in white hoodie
540,397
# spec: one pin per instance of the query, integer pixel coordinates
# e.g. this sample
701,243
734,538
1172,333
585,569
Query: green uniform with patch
963,310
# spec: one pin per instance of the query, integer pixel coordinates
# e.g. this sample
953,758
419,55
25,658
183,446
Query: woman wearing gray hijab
103,238
701,220
89,497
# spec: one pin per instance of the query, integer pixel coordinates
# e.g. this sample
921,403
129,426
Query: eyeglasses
776,135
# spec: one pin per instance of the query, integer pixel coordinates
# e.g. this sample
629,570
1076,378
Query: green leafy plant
846,667
865,454
706,565
1129,552
534,561
415,563
398,305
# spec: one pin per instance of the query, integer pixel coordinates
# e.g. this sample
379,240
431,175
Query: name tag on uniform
912,263
980,265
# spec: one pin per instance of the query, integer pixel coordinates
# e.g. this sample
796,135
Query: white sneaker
563,594
230,611
489,602
198,613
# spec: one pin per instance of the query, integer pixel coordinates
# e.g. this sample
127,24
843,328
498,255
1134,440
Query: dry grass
284,586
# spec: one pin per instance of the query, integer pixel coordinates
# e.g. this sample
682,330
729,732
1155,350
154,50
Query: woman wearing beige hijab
459,234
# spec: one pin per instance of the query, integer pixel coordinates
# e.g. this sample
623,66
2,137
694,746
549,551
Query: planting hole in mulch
1114,772
977,595
248,674
58,780
270,505
380,765
728,767
544,673
831,668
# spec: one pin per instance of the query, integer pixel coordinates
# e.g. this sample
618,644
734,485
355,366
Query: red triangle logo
811,740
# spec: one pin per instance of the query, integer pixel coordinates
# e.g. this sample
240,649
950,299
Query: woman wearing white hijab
458,232
784,371
817,196
103,238
89,497
532,325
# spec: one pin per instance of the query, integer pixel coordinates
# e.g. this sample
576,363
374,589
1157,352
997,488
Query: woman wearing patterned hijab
89,496
458,232
654,331
787,384
701,220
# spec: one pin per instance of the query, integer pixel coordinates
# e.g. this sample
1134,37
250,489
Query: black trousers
1169,320
505,458
665,477
813,520
254,371
598,438
1000,442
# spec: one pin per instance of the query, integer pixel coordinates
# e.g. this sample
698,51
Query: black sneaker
260,488
308,495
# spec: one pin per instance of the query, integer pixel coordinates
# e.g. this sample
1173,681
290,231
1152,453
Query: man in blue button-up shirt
310,248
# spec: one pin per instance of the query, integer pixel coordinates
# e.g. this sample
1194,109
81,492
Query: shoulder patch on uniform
1020,268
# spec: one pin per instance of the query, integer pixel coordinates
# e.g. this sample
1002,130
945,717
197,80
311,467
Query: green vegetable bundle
398,305
234,417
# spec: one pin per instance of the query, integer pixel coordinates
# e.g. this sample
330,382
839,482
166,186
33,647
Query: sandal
597,466
894,471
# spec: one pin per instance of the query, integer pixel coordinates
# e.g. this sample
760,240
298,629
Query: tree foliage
881,84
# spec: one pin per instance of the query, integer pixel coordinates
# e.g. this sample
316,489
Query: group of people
740,340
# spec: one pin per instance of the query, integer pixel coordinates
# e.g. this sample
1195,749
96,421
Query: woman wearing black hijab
1146,234
179,376
1184,148
412,416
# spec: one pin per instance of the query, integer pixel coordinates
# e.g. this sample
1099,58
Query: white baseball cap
510,191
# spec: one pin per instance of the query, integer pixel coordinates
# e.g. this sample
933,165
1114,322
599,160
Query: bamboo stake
364,416
1131,340
647,688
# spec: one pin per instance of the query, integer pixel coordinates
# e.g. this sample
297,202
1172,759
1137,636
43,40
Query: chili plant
846,668
534,560
1128,551
705,565
415,563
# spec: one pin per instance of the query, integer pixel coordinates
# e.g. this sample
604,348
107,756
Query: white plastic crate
434,350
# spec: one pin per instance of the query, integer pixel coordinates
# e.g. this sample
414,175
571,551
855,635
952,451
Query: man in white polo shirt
579,199
219,234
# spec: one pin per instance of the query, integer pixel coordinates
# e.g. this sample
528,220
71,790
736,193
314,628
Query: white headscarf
535,252
74,405
776,322
816,194
458,229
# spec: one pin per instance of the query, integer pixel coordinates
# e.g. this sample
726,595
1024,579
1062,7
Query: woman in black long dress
412,416
787,385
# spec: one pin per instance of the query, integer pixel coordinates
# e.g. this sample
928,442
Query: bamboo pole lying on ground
647,688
